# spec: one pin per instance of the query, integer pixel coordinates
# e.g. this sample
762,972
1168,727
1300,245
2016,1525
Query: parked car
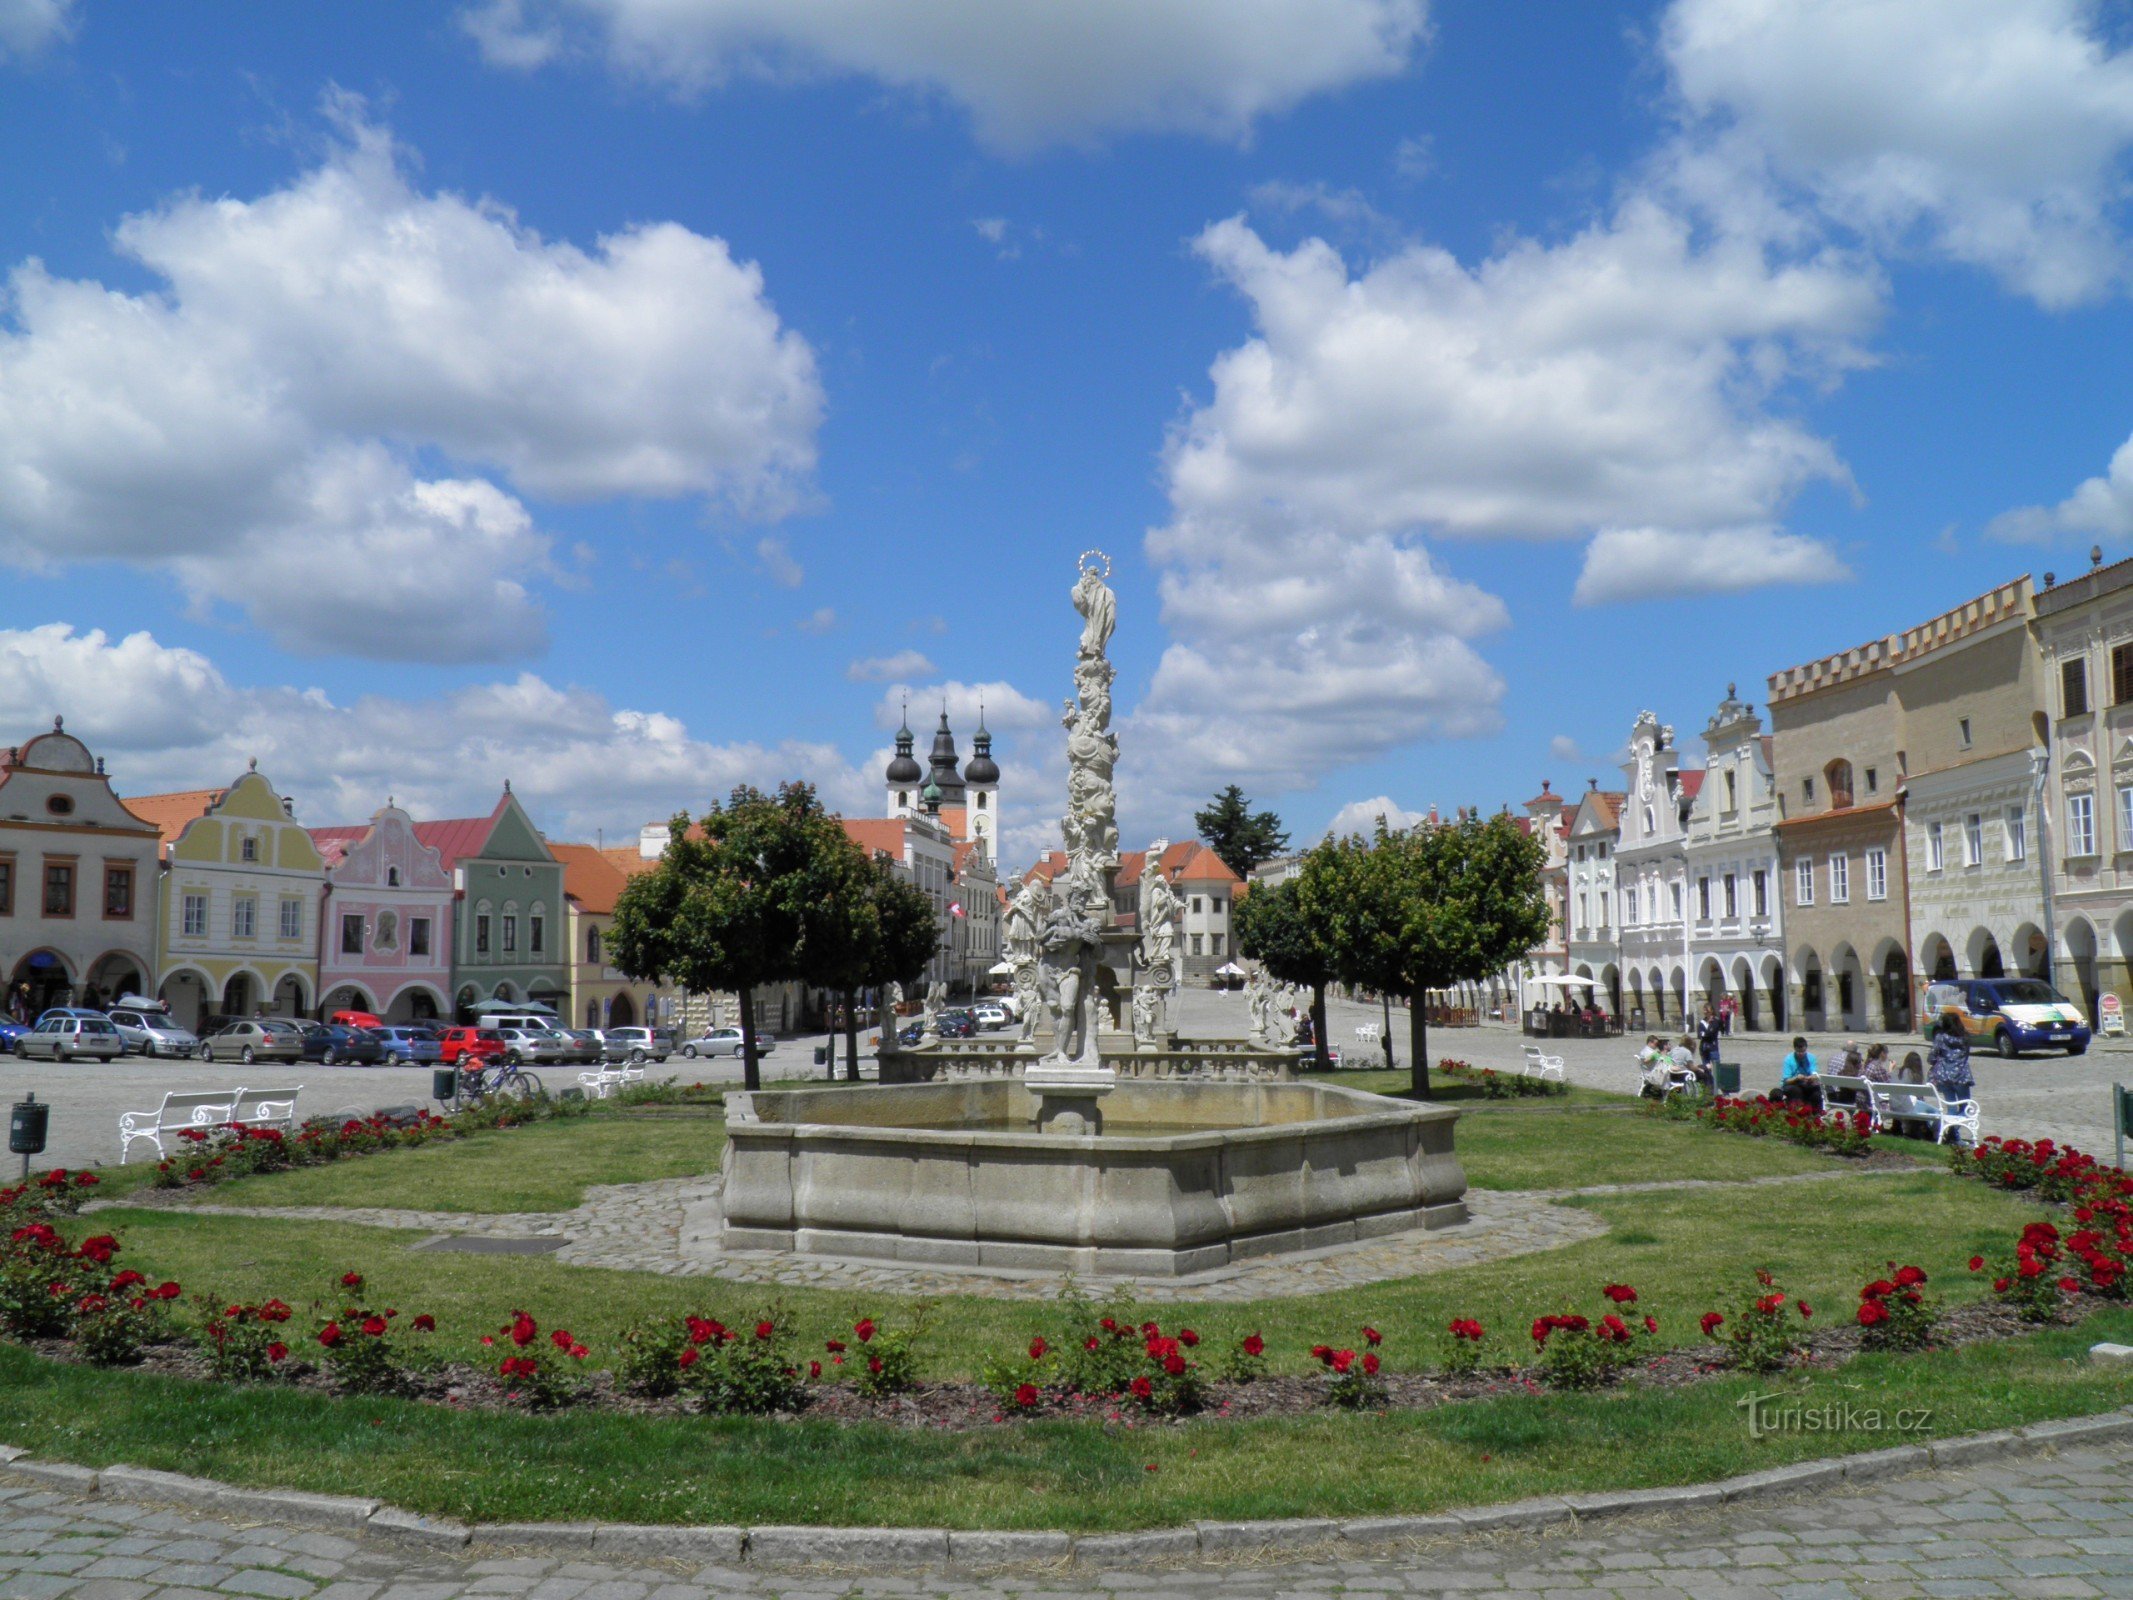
62,1037
528,1047
462,1047
726,1042
11,1033
956,1023
2015,1014
252,1039
638,1045
409,1046
81,1012
150,1031
991,1016
583,1046
332,1045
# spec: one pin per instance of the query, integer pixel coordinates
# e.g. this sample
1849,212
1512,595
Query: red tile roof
171,814
459,836
589,877
883,836
1188,861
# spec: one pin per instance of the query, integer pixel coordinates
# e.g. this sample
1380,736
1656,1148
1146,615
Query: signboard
2111,1015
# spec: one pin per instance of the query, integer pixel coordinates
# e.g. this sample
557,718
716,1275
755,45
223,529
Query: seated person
1913,1069
1875,1069
1848,1061
1687,1062
1797,1078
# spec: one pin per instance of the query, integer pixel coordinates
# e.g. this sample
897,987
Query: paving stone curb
931,1549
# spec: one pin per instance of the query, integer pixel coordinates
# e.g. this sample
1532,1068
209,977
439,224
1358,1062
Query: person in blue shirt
1796,1082
1948,1068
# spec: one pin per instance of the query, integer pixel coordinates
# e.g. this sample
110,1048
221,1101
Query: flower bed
1496,1085
1109,1363
1840,1133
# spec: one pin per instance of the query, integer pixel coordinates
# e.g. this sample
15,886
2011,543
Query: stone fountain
1093,1149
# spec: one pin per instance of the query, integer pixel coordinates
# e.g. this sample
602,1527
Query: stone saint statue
1159,912
1259,1005
1024,913
929,1031
1099,611
1072,940
1029,995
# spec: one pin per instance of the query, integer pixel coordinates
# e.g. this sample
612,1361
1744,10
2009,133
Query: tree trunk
751,1071
1386,999
851,1039
1418,1041
1318,1023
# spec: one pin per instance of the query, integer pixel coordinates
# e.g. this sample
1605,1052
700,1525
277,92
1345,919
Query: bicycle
498,1077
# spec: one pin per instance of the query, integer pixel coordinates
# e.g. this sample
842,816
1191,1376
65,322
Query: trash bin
26,1126
822,1055
1727,1074
444,1083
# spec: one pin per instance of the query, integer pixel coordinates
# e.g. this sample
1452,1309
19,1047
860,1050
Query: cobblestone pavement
2030,1527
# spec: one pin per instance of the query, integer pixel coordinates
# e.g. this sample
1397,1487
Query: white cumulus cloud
1993,132
1623,564
901,667
1363,817
27,26
1027,75
2099,506
270,410
168,718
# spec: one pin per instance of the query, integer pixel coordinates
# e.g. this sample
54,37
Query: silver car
253,1039
151,1032
65,1038
726,1042
638,1045
524,1047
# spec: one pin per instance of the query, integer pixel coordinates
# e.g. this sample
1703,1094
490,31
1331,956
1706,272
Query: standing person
1797,1076
1948,1067
1707,1032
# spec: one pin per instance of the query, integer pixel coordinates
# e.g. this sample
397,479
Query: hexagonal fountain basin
1185,1177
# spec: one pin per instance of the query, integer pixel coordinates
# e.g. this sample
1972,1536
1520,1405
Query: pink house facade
385,937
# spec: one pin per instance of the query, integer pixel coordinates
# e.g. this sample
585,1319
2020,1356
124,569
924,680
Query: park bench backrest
251,1105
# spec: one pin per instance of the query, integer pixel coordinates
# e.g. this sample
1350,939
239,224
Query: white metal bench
210,1109
1924,1103
1841,1093
606,1078
1543,1066
264,1108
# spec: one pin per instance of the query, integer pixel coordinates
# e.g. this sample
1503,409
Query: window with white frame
2080,824
2017,833
1840,879
195,916
1803,882
244,917
1732,897
1877,874
1973,840
2125,818
1629,906
1762,893
1581,912
1703,899
1936,850
1676,887
292,919
1603,908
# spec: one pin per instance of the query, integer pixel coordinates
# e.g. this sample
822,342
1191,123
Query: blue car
405,1046
11,1033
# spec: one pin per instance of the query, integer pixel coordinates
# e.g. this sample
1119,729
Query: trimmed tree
1428,907
864,928
1241,836
1275,928
726,906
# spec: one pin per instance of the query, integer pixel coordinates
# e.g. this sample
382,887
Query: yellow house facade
242,886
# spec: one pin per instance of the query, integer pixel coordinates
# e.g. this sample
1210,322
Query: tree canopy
1425,908
1276,929
727,906
1241,836
863,928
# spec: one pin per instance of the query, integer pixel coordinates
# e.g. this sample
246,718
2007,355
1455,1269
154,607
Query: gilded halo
1088,565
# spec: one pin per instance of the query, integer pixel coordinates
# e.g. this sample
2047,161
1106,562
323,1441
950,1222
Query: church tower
904,774
981,782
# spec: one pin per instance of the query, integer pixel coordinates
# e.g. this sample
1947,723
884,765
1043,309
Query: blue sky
632,399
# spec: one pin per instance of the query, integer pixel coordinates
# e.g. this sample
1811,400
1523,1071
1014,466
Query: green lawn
545,1167
1546,1144
1686,1252
496,1467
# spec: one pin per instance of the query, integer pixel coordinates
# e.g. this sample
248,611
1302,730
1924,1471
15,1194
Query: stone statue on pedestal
1072,940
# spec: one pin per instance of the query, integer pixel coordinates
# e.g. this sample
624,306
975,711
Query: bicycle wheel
522,1086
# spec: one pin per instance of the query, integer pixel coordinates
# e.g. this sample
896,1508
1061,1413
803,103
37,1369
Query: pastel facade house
386,945
601,996
238,923
1738,928
77,879
1652,874
1548,820
1589,888
508,933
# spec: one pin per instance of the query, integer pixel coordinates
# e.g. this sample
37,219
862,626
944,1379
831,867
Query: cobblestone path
2033,1527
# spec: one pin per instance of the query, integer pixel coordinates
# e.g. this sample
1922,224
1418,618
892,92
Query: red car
457,1045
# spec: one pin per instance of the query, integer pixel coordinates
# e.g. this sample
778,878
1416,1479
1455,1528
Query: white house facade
1736,930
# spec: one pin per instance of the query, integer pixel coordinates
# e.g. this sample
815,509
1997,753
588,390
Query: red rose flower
1342,1361
425,1323
277,1352
1651,1324
688,1356
330,1335
1037,1347
1372,1336
1254,1345
1621,1294
351,1280
1711,1323
1370,1362
1187,1338
814,1369
1142,1388
561,1339
1026,1395
374,1326
523,1330
863,1329
766,1330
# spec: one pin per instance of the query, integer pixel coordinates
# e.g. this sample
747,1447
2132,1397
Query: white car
727,1042
64,1038
992,1015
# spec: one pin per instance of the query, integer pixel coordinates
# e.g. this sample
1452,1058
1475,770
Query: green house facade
509,932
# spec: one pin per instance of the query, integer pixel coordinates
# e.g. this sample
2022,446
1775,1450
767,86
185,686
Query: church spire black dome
903,766
942,770
983,770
